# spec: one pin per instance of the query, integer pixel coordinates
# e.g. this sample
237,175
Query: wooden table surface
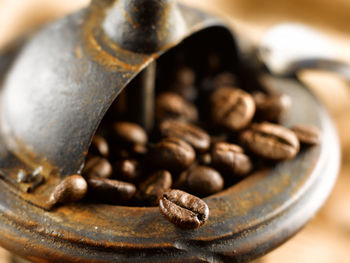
326,239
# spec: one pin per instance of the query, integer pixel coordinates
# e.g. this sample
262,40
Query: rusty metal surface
76,70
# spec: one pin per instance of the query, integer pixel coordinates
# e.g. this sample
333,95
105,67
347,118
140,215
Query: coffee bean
271,141
307,134
99,146
229,158
153,187
232,108
71,189
111,191
183,210
202,180
271,107
97,167
128,170
170,105
171,154
129,133
191,134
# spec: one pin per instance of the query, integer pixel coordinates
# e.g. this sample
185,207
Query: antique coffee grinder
53,98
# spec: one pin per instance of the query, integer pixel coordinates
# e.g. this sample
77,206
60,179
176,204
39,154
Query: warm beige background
327,238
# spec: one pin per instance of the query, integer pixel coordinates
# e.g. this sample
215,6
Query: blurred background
326,239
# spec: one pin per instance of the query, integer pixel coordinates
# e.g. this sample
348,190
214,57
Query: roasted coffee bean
307,134
183,210
271,141
97,167
99,146
170,105
128,170
202,180
271,107
171,154
191,134
153,187
73,188
229,158
232,108
111,191
130,134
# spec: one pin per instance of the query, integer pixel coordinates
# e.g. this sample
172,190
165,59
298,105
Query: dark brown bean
307,134
183,210
202,180
153,187
191,134
271,107
73,188
111,191
97,167
171,154
130,133
232,108
99,146
271,141
170,105
128,170
229,158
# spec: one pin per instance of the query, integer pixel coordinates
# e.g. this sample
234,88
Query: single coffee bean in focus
271,141
232,108
183,209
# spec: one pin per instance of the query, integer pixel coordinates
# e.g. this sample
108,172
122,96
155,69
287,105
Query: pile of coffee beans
204,140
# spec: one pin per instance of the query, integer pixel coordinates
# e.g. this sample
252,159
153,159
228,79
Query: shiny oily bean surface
111,191
271,107
232,108
128,170
154,186
172,154
271,141
130,133
97,167
170,105
307,134
99,146
183,209
73,188
195,136
230,158
202,180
